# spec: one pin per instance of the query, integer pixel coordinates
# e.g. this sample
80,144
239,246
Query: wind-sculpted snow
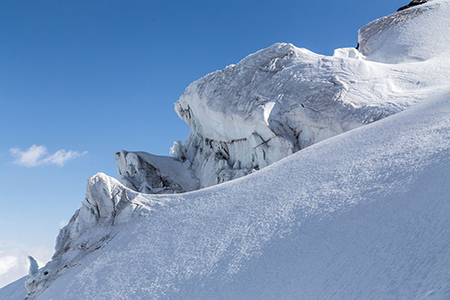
107,205
360,216
282,99
415,34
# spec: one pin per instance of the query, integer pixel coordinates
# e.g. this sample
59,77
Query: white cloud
29,158
7,262
38,155
14,262
62,156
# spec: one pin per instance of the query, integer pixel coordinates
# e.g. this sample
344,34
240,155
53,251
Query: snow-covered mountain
361,212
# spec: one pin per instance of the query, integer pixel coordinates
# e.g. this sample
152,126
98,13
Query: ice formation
152,174
282,99
107,205
34,267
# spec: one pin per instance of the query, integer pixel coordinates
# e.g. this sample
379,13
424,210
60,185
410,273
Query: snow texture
367,220
412,35
14,291
361,215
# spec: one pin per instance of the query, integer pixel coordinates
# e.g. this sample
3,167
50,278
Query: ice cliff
282,99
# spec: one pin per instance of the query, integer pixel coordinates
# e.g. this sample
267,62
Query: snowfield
361,216
344,211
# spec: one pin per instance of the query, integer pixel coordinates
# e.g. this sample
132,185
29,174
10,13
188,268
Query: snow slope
362,215
14,291
415,34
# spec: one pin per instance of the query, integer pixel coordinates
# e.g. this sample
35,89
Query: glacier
283,99
330,209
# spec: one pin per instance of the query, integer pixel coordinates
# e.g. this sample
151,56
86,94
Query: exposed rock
412,3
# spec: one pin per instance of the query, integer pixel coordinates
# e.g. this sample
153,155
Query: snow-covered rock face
412,3
408,35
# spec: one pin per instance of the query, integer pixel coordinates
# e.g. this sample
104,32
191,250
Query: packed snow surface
415,34
361,215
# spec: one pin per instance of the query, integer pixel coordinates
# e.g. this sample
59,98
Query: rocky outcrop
412,3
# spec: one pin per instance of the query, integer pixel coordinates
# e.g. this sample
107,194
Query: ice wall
273,103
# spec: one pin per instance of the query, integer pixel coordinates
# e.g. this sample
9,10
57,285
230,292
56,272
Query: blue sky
80,80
